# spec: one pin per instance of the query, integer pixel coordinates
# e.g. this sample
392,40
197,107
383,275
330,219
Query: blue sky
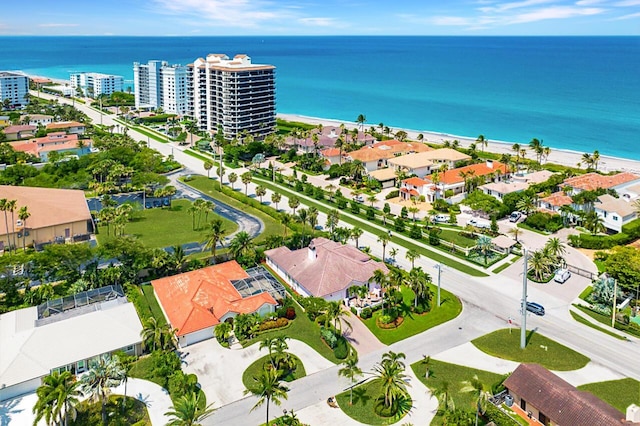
321,17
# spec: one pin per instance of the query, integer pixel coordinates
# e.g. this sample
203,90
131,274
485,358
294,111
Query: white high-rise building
13,87
94,84
234,94
160,85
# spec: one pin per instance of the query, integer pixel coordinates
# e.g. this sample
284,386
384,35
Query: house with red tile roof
539,394
593,181
375,157
553,202
195,302
416,187
325,269
58,141
327,138
72,127
17,132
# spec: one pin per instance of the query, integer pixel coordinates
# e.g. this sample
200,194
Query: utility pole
613,311
523,325
438,266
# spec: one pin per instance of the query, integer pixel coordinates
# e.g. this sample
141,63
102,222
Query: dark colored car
148,205
157,203
536,308
166,202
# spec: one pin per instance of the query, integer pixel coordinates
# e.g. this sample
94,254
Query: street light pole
523,325
613,311
438,266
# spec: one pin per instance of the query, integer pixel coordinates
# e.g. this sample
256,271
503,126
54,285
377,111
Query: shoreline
563,157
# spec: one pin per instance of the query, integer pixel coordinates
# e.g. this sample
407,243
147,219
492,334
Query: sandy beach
557,156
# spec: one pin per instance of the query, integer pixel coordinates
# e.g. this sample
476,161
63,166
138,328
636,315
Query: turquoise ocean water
577,93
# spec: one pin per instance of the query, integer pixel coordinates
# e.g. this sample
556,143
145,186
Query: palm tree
4,208
233,178
596,159
240,244
187,412
384,239
479,391
536,146
380,277
223,331
419,283
412,255
333,218
246,178
484,245
57,397
526,204
594,223
361,120
156,335
294,203
214,235
357,169
286,220
334,312
555,248
540,263
390,375
208,165
482,141
104,374
587,160
393,253
356,233
23,215
260,192
515,231
267,388
352,372
443,394
275,199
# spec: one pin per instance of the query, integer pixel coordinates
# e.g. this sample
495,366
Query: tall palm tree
240,244
57,397
384,239
555,248
333,218
351,371
412,255
11,206
3,208
361,120
445,398
267,388
390,375
382,280
480,393
23,215
233,178
260,192
334,312
155,334
484,245
596,159
537,147
515,231
356,233
104,374
482,141
275,199
214,235
286,221
187,412
246,178
294,203
419,280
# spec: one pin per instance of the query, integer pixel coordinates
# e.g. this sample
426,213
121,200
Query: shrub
314,306
398,224
355,207
341,351
354,311
321,319
371,213
271,324
392,194
366,313
329,337
415,232
290,313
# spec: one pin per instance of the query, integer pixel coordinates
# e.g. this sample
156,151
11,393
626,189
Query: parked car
166,202
535,308
515,217
148,205
441,218
157,203
359,198
562,275
479,223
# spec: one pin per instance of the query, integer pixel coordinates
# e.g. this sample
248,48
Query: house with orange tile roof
17,132
425,163
593,181
435,185
195,302
327,137
332,156
61,142
553,202
415,187
56,216
69,127
324,269
375,157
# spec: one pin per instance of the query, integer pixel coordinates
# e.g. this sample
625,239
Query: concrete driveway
220,370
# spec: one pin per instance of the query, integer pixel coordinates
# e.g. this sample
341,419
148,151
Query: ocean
576,93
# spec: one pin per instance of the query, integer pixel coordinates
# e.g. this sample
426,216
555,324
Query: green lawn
142,368
256,368
455,238
302,328
90,413
210,187
152,302
618,393
365,399
588,323
606,320
365,225
414,324
541,350
452,375
586,292
164,227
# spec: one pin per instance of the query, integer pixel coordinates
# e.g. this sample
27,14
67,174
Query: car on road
441,218
515,217
562,275
359,198
535,308
478,223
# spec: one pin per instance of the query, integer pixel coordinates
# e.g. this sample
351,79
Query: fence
582,272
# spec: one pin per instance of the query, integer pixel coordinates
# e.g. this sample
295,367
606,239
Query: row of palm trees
545,261
10,206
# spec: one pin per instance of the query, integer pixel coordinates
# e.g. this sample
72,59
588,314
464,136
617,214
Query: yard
165,227
505,344
365,401
90,413
618,393
413,323
258,366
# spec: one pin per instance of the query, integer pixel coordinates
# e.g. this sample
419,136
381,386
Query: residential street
488,304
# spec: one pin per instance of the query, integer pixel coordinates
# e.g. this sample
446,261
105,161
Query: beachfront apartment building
234,95
14,89
94,84
160,85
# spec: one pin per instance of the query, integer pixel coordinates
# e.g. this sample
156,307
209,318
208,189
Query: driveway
360,337
220,370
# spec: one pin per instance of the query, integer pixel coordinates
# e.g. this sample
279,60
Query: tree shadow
360,396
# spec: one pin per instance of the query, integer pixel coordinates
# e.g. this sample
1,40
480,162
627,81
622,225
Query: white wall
299,289
195,337
20,389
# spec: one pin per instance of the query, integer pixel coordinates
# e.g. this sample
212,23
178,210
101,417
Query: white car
359,198
562,275
479,223
441,218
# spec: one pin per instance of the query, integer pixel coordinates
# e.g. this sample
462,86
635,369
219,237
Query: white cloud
588,2
556,12
629,16
625,3
57,25
318,22
513,5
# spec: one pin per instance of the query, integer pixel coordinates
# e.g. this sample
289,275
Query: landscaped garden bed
90,413
296,370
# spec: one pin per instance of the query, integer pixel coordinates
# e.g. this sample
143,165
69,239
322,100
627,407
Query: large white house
615,212
94,84
64,334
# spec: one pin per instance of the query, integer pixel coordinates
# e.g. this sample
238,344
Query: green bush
329,337
493,414
415,232
544,222
366,313
272,324
341,351
599,242
393,194
158,118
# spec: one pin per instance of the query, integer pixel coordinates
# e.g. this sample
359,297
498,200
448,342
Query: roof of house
534,177
47,206
593,181
503,241
30,351
424,159
333,269
452,176
383,174
36,117
416,181
64,125
198,299
387,149
609,203
411,192
557,199
19,128
504,187
561,402
330,152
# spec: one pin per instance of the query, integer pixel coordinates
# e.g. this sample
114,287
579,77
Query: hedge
159,118
630,232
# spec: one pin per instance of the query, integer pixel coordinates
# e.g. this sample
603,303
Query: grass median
618,393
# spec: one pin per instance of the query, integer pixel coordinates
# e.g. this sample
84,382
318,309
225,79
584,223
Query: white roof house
33,347
615,212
